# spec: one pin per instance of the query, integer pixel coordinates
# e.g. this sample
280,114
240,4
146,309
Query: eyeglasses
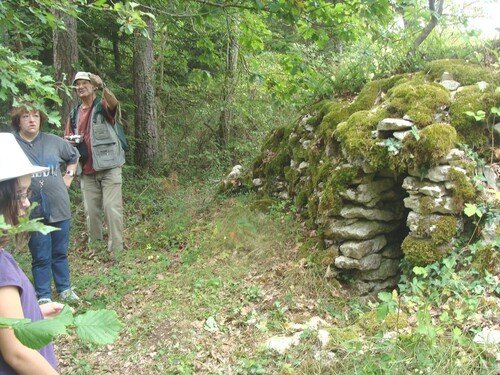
21,197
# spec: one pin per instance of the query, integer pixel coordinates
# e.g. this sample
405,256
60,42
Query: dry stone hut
387,176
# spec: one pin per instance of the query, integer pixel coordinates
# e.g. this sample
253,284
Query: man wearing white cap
101,179
17,296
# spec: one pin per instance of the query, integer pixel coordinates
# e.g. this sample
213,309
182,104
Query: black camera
77,138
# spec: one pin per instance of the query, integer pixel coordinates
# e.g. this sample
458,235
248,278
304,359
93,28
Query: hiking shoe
43,301
69,296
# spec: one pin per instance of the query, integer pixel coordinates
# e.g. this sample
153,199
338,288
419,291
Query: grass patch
205,282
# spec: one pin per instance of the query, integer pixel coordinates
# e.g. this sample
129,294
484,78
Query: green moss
262,205
463,190
301,199
446,228
435,142
274,139
324,258
337,112
486,259
476,134
277,164
312,210
417,99
339,336
371,325
440,231
319,111
355,136
464,72
307,249
394,321
427,205
422,251
337,183
369,95
323,173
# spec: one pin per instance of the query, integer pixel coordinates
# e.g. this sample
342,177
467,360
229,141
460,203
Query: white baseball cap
13,161
81,75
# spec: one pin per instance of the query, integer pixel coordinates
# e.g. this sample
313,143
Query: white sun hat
81,75
13,161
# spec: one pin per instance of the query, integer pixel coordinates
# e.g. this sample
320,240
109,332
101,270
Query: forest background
201,83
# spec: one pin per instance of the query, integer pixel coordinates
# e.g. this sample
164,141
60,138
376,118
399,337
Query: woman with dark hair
49,252
17,296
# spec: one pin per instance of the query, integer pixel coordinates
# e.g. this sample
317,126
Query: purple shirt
12,275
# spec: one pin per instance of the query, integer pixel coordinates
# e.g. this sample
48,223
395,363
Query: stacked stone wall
382,218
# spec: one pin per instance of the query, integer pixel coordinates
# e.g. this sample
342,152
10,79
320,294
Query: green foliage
22,82
99,327
96,327
388,305
25,225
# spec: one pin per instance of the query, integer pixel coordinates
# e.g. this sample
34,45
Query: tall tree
230,81
146,131
65,52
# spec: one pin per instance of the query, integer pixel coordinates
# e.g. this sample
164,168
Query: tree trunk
116,53
230,81
436,12
146,131
65,52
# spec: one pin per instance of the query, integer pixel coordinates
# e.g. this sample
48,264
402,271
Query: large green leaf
9,322
65,316
26,225
98,327
38,334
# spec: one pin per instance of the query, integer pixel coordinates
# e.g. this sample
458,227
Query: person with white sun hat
17,295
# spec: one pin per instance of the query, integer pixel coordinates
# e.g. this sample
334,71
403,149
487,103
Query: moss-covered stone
435,142
445,229
339,133
338,112
275,138
371,93
440,231
277,163
355,136
462,71
423,251
486,260
393,321
301,199
463,190
396,320
338,182
310,250
474,133
312,210
262,204
419,100
324,258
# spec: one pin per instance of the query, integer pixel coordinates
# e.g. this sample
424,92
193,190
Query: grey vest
107,152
